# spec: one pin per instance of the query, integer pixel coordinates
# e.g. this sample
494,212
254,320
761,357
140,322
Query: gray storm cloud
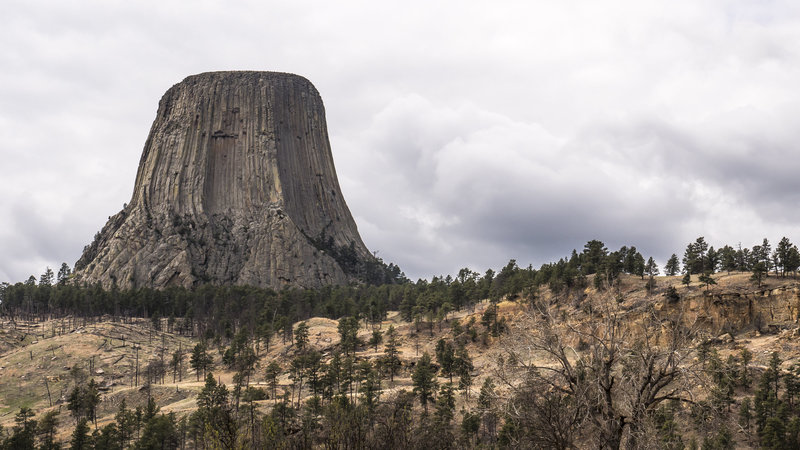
463,134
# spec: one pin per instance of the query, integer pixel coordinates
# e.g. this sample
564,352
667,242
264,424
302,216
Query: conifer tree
301,335
271,375
759,272
46,430
177,365
23,434
80,436
391,352
463,368
445,356
63,274
707,279
376,339
125,420
348,334
443,416
47,278
424,379
672,267
200,360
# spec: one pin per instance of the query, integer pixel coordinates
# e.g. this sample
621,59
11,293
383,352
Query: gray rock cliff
236,185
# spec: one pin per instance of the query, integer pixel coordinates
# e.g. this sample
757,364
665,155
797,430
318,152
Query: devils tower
236,185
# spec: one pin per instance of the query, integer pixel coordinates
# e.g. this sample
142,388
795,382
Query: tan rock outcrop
236,185
734,311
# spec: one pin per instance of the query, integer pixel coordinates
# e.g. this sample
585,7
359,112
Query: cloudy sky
464,133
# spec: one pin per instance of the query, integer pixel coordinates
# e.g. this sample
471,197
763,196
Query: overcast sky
464,133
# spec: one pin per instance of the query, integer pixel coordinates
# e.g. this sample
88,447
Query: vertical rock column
236,185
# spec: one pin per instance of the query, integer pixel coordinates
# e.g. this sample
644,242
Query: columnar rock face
236,185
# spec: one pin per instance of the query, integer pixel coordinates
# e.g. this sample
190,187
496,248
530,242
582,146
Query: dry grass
44,361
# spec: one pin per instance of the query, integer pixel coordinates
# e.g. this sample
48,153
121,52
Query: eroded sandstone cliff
236,185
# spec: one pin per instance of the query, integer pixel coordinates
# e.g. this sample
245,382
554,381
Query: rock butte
236,185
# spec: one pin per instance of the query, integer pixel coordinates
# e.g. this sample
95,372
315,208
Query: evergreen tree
376,339
265,333
745,414
486,400
240,343
63,274
728,260
712,261
46,431
764,255
47,278
744,259
443,417
651,268
370,387
301,335
107,438
792,262
687,279
271,376
348,334
707,279
282,324
160,433
744,377
200,360
470,426
694,257
463,368
613,267
766,402
91,400
391,353
445,356
639,266
83,400
176,364
593,257
787,257
759,272
215,413
150,410
23,434
126,422
424,379
671,268
80,436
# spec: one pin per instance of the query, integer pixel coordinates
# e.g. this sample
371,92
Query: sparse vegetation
595,349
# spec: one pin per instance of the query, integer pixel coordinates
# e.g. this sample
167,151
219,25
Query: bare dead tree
602,376
543,416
